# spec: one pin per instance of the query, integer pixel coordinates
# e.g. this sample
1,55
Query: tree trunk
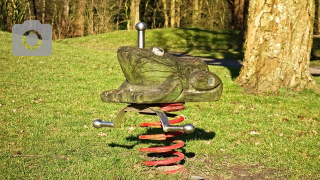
238,12
137,14
43,11
64,17
134,13
3,13
154,25
319,17
29,10
166,18
178,15
118,14
245,19
278,45
10,15
127,14
79,19
34,9
195,13
173,13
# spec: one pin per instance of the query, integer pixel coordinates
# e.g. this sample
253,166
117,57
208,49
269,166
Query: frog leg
128,93
165,93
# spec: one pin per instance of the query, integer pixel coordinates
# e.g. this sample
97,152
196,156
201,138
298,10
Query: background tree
134,13
195,13
16,12
173,13
78,7
319,17
278,45
165,12
71,18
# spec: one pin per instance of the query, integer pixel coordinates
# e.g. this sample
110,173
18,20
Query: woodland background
75,18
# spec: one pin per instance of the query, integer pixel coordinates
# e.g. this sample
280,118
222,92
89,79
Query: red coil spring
166,137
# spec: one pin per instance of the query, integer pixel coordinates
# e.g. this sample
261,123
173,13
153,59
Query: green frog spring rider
159,83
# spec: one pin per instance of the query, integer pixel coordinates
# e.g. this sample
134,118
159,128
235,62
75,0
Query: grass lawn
47,105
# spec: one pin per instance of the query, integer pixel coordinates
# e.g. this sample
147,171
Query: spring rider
159,83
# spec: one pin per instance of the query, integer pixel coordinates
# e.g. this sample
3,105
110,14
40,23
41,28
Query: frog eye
204,80
158,51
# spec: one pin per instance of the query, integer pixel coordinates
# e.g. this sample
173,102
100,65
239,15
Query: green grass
47,105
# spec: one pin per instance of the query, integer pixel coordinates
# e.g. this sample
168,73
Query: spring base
168,127
168,150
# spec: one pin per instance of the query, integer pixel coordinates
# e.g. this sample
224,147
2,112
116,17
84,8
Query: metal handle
141,26
188,128
97,123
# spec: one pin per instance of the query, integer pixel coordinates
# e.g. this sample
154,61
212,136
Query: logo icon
45,31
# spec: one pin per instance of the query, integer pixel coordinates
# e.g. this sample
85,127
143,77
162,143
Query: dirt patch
246,172
212,168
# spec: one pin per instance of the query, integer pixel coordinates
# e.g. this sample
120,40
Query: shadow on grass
224,44
215,47
221,44
234,66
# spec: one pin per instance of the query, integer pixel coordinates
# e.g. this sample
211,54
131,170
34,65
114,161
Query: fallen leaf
207,131
102,134
17,152
131,129
197,177
254,132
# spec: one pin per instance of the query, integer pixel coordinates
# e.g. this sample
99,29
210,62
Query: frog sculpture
153,76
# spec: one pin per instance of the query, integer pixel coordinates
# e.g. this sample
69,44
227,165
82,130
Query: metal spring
166,137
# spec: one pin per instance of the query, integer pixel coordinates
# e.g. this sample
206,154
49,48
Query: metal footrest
143,108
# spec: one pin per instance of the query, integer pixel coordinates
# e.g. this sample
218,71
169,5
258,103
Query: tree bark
127,14
245,19
166,18
29,10
319,17
64,16
195,13
137,13
118,14
178,14
173,13
238,12
43,11
278,45
34,9
10,15
134,13
79,20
